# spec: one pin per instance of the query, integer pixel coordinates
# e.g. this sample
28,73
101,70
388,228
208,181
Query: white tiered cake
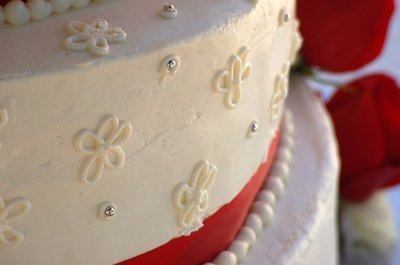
129,127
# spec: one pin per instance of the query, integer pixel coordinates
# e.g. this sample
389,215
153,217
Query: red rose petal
343,35
3,2
366,115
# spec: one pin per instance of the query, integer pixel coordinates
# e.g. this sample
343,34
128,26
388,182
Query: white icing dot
280,169
254,222
40,9
284,154
263,210
225,258
16,12
240,248
247,234
289,127
60,6
80,3
2,15
275,184
267,197
288,141
288,116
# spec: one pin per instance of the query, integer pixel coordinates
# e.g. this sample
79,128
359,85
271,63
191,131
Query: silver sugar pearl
169,11
171,64
253,128
109,211
169,8
284,16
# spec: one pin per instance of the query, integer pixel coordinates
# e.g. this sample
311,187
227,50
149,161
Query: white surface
303,231
175,123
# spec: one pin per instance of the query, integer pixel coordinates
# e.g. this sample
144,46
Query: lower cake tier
304,230
286,216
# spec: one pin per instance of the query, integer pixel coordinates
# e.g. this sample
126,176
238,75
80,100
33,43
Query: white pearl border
263,208
17,12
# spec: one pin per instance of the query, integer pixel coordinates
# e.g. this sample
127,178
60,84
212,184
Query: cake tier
304,229
297,230
218,232
118,154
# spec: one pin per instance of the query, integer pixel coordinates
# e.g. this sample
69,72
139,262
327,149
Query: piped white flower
102,147
191,200
279,95
15,208
94,37
231,79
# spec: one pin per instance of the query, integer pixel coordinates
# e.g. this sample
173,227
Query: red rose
343,35
366,115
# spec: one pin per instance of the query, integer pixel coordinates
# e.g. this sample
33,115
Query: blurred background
394,197
389,63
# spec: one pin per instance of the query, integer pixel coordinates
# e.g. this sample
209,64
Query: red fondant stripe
218,231
3,2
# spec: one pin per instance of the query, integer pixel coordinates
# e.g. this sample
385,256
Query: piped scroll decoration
191,200
102,147
230,80
279,94
3,116
9,211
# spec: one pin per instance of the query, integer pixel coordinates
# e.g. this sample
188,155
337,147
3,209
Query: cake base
304,230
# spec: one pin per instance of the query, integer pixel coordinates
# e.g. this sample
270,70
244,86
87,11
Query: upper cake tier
110,115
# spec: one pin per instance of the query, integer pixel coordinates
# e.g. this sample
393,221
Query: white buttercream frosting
54,139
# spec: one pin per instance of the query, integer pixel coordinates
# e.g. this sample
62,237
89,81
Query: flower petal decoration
95,36
101,147
366,115
191,200
343,35
230,80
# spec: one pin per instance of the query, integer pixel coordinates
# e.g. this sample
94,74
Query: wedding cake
149,133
